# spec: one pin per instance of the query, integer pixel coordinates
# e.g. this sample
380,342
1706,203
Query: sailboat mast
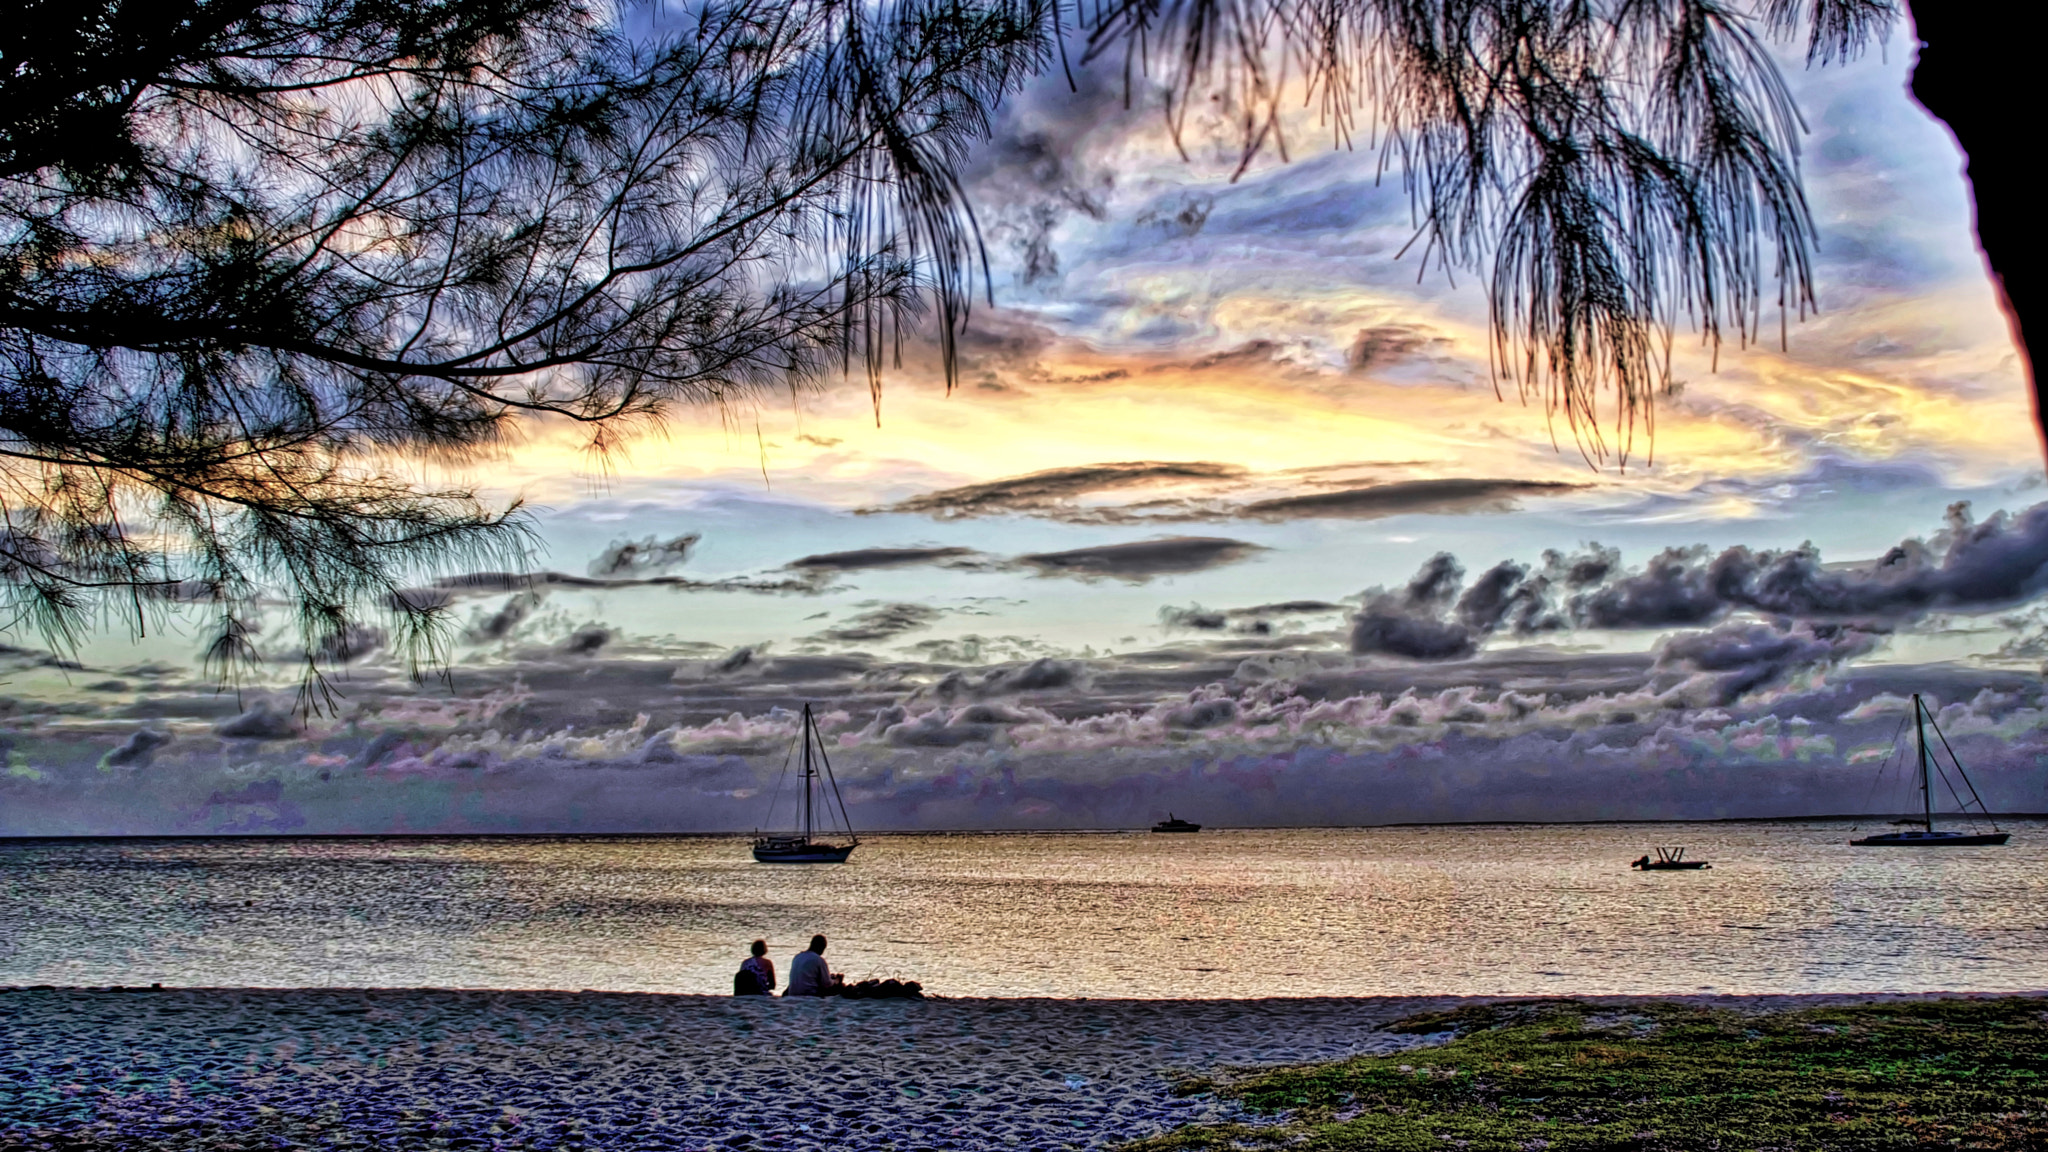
1926,792
811,770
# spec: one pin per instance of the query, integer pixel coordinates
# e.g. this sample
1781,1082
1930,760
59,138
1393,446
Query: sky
1225,516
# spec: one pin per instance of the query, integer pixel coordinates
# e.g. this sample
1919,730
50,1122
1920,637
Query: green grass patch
1564,1076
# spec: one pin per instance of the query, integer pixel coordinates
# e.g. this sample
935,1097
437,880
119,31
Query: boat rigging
1928,836
801,847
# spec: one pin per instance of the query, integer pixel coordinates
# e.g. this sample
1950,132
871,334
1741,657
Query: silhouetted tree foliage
262,256
1614,169
260,253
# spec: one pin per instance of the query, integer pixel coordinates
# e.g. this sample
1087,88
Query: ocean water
1225,913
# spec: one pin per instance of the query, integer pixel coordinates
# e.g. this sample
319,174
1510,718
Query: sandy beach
227,1068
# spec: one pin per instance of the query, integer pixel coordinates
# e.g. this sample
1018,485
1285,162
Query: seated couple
808,975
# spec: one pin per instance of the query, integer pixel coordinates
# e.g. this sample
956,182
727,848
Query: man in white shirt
808,975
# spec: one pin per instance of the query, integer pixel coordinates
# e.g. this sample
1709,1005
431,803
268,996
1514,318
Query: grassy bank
1563,1076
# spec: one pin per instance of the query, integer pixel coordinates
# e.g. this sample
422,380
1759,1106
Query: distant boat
1174,823
1928,836
1669,860
800,847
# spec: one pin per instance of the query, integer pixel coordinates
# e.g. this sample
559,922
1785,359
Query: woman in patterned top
762,968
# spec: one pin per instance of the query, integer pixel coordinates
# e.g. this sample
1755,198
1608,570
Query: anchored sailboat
1928,837
800,848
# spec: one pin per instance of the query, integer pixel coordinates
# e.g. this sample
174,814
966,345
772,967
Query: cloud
1434,629
1256,620
1055,493
1404,498
1250,354
1058,494
1381,629
493,583
1288,608
1965,567
1745,719
258,806
352,643
1180,218
627,558
1741,658
1505,595
490,627
260,722
588,640
1034,171
1197,715
1194,618
1410,623
864,558
380,746
1041,675
1590,565
1674,587
1386,345
1045,674
739,658
975,649
972,724
882,622
1141,561
137,751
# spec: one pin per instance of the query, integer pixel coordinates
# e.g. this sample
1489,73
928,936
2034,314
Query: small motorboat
1669,860
1174,823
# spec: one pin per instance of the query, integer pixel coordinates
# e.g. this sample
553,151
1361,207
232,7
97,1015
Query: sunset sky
1171,541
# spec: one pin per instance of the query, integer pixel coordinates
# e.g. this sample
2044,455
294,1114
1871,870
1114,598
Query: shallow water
1383,911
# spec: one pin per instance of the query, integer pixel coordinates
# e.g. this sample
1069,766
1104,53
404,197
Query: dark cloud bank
1407,705
1966,567
1057,743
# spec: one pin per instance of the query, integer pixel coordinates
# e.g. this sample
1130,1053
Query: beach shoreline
249,1068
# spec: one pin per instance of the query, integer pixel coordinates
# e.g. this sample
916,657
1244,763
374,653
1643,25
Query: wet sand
238,1068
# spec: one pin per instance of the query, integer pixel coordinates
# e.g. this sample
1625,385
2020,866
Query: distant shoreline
1833,818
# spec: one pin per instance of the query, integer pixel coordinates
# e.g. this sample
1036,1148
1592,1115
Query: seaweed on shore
1566,1076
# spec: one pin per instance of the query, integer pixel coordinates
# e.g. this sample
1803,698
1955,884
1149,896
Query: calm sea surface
1785,908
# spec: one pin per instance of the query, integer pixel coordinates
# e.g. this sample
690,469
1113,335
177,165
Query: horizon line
11,838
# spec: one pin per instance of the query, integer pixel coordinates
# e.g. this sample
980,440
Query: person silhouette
808,974
756,976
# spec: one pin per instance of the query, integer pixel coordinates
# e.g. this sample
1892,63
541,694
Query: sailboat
1928,836
800,847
